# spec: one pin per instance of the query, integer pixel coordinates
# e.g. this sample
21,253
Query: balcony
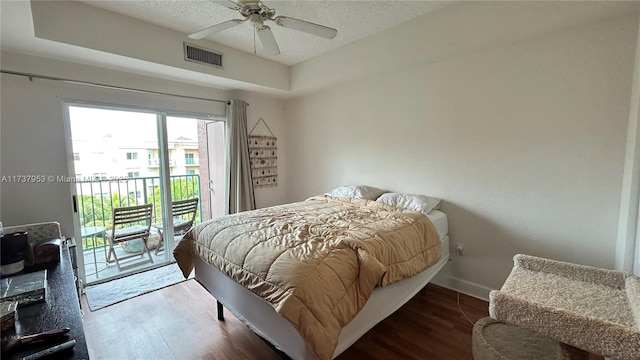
191,162
96,200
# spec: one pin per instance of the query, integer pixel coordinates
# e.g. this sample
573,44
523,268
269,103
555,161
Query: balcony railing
97,198
156,162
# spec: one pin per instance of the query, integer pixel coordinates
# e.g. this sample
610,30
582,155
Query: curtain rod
78,82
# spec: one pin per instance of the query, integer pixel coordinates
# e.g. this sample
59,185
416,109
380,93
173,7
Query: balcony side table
92,232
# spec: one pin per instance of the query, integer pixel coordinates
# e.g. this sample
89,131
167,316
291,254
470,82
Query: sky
93,124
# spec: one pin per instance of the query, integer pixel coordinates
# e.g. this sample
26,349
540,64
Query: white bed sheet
440,221
262,319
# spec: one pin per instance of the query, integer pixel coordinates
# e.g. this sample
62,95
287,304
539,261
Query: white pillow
419,203
356,191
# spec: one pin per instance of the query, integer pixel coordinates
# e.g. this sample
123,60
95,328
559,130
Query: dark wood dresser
61,309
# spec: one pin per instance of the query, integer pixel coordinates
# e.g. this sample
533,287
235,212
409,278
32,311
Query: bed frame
261,318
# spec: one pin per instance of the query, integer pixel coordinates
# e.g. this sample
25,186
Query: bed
379,289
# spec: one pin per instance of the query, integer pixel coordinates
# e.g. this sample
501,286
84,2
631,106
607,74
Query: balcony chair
130,223
184,214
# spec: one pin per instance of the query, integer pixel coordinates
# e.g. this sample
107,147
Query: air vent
202,56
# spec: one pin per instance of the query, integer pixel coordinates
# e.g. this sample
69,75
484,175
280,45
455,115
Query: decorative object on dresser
39,234
48,252
25,288
13,247
18,340
8,315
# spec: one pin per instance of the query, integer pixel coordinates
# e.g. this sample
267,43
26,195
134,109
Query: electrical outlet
460,249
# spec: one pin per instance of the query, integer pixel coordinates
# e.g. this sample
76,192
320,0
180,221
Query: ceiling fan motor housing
250,9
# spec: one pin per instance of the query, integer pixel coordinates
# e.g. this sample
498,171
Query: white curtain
241,196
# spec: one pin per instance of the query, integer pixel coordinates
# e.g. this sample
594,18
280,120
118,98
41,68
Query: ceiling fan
257,13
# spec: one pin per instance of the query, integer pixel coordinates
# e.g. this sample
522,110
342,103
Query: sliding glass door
125,157
191,145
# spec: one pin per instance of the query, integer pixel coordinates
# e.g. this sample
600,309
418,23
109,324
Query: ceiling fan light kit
257,13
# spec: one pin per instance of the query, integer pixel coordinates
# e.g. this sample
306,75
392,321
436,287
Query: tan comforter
316,261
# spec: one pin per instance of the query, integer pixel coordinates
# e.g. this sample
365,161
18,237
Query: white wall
458,30
523,140
628,244
32,128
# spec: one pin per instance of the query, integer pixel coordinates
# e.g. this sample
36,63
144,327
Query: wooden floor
179,322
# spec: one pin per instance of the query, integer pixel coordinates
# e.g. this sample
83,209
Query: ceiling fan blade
305,26
228,4
215,28
269,43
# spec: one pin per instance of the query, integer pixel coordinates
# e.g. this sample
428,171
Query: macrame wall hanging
263,157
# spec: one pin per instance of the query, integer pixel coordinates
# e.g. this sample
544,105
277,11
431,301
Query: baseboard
462,286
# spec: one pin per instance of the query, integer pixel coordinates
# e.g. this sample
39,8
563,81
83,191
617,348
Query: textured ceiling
354,20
